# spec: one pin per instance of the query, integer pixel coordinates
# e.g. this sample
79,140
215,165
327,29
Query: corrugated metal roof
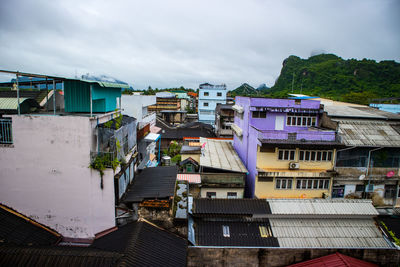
220,155
302,233
7,103
334,260
368,133
108,84
339,207
191,178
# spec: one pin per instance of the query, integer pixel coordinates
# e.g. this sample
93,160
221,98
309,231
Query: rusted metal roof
191,178
368,133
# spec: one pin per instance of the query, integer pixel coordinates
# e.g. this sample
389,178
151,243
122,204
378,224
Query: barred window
285,183
305,183
313,155
286,154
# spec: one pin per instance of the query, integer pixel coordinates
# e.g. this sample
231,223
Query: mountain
263,88
102,78
327,75
244,90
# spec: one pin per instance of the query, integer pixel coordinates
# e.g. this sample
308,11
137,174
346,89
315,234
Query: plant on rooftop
176,158
99,163
392,235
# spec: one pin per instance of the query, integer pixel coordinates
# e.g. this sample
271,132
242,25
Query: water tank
166,160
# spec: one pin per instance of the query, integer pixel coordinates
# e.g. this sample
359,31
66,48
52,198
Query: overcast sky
166,43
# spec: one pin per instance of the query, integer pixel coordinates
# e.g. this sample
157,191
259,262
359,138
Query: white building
209,96
45,163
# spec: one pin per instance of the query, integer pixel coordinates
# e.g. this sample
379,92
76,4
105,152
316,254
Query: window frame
206,93
225,231
287,154
211,194
315,155
231,195
219,94
312,184
301,120
287,182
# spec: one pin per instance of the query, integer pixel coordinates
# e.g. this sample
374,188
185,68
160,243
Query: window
259,114
225,230
211,194
219,94
305,183
360,188
6,137
231,195
338,191
206,93
390,191
301,119
286,154
205,104
314,155
264,232
285,183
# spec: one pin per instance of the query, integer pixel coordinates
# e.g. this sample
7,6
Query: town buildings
224,118
209,96
165,101
63,168
284,148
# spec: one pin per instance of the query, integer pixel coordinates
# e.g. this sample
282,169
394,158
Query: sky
173,43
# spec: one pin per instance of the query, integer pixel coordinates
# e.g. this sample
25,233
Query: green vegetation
244,90
329,76
117,122
392,235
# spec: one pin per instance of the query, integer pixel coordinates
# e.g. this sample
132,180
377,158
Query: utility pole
292,82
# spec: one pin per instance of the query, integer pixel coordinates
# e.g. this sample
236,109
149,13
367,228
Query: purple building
285,151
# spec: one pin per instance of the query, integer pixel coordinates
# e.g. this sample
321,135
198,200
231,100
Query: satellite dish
362,177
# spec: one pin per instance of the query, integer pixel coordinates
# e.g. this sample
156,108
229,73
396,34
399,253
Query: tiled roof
327,233
144,245
338,208
230,206
190,177
220,155
246,234
152,183
18,229
334,260
56,256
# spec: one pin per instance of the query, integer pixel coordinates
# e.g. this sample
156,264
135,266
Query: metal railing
6,136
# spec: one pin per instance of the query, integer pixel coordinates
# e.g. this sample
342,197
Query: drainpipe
54,96
91,102
368,165
19,109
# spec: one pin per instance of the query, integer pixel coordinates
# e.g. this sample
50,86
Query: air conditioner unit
294,165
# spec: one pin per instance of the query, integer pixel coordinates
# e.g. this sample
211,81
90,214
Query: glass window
324,155
298,184
309,184
205,104
219,94
292,152
303,184
312,155
263,231
263,114
326,184
360,188
231,195
301,156
280,155
225,230
211,194
278,184
307,155
329,155
315,184
289,184
289,121
206,94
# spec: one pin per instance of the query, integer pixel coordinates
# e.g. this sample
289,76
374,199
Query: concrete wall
279,257
212,99
132,105
221,192
46,175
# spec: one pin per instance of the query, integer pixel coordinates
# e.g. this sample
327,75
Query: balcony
305,136
115,140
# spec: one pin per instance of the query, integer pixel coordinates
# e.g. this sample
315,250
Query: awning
191,178
152,137
155,129
238,131
237,108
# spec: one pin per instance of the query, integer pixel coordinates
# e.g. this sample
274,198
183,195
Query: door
279,122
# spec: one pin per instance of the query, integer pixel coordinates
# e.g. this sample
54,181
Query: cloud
176,42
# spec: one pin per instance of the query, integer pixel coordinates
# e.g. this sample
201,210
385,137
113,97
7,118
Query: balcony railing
6,136
324,136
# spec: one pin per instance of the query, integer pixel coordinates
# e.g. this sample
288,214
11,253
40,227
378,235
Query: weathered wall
282,257
132,105
46,176
221,192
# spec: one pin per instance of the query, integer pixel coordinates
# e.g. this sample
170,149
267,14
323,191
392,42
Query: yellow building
294,172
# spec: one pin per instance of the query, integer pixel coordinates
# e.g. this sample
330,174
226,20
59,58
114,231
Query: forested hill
330,76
